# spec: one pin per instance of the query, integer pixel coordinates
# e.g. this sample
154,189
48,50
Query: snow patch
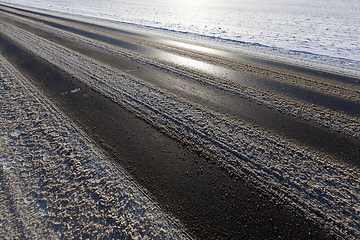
75,90
16,133
57,183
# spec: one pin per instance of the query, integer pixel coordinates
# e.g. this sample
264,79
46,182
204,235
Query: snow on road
319,188
321,32
336,120
56,184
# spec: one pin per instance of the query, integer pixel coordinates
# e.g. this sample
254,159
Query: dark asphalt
343,148
210,203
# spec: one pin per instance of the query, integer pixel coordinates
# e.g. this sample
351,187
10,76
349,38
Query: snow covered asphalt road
56,184
231,145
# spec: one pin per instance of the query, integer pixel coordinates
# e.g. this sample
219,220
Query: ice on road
56,184
70,179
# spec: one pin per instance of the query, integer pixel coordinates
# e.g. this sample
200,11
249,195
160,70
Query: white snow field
56,184
318,33
314,185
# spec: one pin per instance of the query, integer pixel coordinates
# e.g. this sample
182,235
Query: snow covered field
312,32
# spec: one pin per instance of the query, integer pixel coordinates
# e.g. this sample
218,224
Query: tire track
308,182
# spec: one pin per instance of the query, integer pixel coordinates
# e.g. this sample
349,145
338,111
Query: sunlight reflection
193,47
203,67
186,62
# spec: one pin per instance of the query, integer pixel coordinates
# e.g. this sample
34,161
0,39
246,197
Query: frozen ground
310,183
55,184
319,33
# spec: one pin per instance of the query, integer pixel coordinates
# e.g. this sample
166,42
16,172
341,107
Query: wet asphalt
210,202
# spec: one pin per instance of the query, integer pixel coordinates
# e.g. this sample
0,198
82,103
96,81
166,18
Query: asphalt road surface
186,179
